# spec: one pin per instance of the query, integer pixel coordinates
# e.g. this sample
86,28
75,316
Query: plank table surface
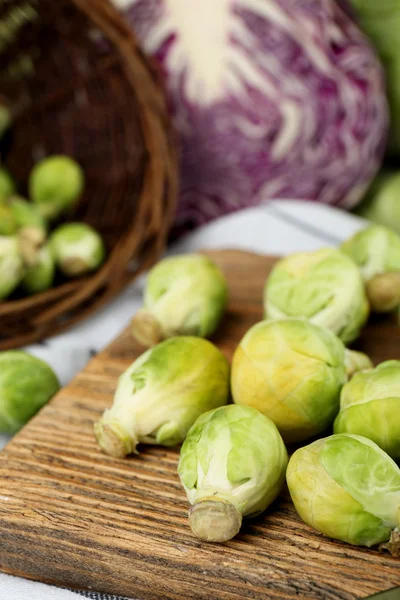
74,517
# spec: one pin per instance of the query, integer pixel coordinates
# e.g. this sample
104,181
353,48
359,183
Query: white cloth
277,228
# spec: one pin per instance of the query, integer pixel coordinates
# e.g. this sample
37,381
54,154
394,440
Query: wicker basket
78,85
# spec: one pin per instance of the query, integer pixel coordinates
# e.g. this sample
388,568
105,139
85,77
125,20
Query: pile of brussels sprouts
292,379
29,253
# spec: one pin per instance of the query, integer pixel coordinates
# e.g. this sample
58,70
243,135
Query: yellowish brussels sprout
292,371
40,276
376,251
323,286
162,393
346,487
185,295
55,185
232,465
31,241
7,185
77,249
12,266
26,384
370,406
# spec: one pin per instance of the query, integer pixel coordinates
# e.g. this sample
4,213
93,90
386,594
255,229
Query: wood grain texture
72,516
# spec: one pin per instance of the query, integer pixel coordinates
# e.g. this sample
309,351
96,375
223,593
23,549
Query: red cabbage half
271,98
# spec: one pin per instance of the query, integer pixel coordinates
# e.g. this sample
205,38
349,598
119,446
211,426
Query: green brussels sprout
26,384
40,276
291,371
323,286
355,361
8,224
370,406
185,295
162,393
18,216
346,487
7,185
376,251
55,185
232,465
382,201
12,267
26,215
77,249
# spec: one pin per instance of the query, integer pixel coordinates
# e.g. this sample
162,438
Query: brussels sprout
7,185
26,384
356,361
17,215
8,224
376,251
346,487
185,295
382,201
370,406
324,287
40,276
11,265
31,240
162,393
77,249
27,214
292,371
56,184
232,465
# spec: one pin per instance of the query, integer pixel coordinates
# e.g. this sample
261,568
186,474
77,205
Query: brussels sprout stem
393,545
74,266
146,329
31,239
214,520
383,292
113,442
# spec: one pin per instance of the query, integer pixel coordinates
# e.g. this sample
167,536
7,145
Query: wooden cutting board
72,516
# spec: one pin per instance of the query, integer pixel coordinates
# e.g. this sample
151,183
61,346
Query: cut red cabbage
271,99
